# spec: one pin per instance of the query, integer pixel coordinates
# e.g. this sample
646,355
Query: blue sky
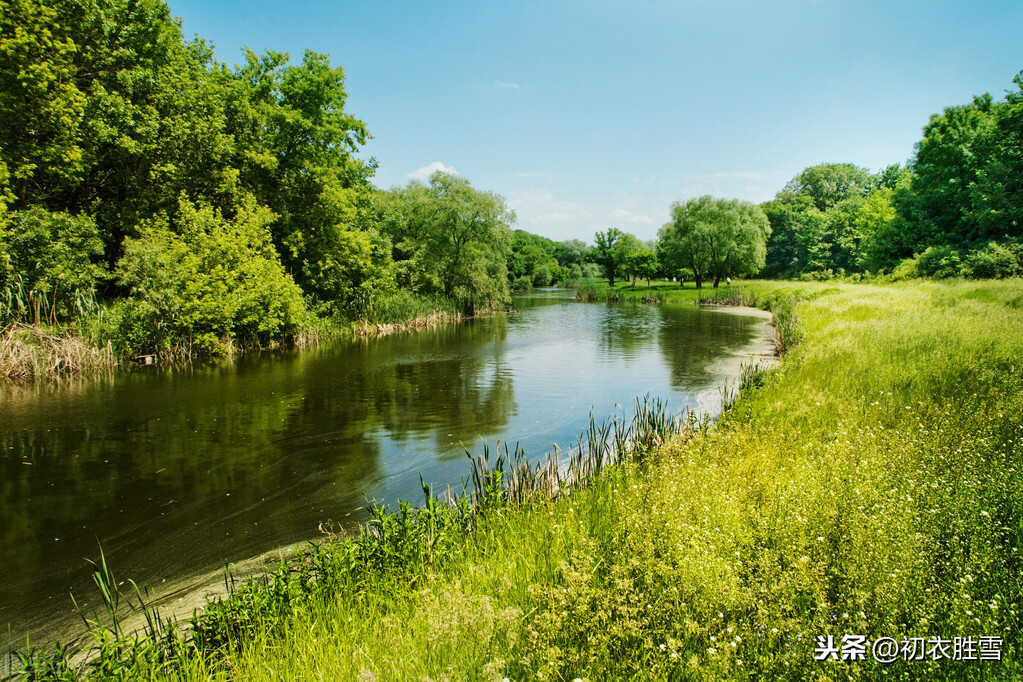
590,114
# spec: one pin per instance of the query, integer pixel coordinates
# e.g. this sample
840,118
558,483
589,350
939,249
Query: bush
907,269
522,283
217,280
940,262
352,267
818,275
994,261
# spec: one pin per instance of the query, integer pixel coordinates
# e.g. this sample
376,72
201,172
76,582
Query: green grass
871,485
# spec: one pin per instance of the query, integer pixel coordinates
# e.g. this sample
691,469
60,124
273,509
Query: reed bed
365,328
514,480
29,352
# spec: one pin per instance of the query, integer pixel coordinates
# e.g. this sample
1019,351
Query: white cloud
497,86
755,186
426,171
736,175
630,217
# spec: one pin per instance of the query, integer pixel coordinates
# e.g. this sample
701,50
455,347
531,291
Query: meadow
868,490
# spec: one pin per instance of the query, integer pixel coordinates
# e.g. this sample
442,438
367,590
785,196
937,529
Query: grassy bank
870,486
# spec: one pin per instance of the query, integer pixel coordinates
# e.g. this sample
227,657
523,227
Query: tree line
954,210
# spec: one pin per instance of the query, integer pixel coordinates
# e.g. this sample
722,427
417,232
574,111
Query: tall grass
30,352
42,333
20,302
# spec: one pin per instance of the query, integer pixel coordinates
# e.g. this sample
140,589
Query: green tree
827,184
999,191
451,239
612,251
949,163
874,222
296,149
800,239
605,255
41,105
715,238
107,111
573,252
532,261
643,263
826,218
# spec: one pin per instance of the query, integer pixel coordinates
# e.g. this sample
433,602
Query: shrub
940,262
907,269
992,262
522,283
216,280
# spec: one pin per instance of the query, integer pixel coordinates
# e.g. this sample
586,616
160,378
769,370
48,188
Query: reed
513,480
30,352
592,290
365,328
751,377
21,302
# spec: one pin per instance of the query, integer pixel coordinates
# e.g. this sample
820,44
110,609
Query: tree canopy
953,211
714,238
182,190
612,251
452,239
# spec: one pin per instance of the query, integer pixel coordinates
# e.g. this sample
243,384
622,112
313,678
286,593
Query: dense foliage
451,239
953,211
205,204
533,261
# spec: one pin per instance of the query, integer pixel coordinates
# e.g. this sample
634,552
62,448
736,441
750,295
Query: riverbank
30,352
867,487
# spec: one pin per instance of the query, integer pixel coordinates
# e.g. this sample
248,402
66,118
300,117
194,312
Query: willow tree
715,238
450,239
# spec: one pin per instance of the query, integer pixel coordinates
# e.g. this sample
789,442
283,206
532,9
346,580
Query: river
176,472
